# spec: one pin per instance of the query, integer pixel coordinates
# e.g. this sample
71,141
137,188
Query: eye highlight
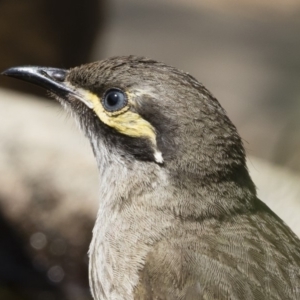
114,100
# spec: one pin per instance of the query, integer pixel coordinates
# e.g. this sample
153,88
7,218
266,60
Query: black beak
51,79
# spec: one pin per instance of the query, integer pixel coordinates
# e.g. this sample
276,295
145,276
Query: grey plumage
178,215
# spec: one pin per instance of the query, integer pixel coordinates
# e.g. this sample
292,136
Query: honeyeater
178,216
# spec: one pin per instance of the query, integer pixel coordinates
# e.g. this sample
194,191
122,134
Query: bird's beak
51,79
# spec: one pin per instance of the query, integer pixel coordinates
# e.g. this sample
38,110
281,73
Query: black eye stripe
114,99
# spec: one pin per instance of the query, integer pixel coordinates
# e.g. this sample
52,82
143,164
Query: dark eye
114,100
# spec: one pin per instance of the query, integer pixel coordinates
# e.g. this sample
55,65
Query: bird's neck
138,207
132,217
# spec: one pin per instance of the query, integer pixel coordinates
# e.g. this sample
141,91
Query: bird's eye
114,100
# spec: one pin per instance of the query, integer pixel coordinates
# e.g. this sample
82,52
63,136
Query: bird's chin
71,105
61,99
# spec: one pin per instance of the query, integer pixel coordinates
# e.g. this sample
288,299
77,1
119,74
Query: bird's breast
121,242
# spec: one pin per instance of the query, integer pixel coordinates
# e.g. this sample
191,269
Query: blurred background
245,52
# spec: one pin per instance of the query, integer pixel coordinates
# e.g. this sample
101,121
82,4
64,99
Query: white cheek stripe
158,157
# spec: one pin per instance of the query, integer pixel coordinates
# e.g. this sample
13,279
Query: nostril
59,75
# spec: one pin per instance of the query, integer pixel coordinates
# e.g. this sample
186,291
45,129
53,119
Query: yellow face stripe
124,121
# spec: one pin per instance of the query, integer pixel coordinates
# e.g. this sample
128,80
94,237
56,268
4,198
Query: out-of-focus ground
245,52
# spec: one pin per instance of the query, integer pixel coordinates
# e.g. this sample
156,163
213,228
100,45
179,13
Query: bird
179,216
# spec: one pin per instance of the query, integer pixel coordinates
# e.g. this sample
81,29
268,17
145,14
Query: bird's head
142,110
